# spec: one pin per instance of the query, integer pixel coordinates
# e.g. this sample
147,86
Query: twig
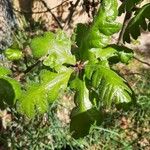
60,4
133,73
48,9
141,61
38,12
34,65
72,10
125,22
31,67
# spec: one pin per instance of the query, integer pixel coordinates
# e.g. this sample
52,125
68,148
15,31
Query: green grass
123,130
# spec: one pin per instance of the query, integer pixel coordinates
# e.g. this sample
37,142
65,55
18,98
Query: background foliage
43,66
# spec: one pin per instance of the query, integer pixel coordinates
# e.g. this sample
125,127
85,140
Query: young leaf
84,114
104,53
98,34
57,48
113,53
38,96
107,52
111,87
60,52
55,82
41,45
13,54
32,101
123,54
137,22
81,98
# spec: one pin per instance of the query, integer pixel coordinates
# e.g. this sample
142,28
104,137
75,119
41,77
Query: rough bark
7,23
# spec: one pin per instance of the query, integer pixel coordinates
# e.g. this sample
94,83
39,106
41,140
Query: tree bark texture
7,23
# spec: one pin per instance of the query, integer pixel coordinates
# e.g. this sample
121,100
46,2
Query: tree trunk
7,23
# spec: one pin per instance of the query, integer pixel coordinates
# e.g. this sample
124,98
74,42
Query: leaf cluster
140,19
87,72
96,84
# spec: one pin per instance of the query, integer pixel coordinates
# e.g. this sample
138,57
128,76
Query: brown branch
132,73
39,12
53,15
141,61
31,67
125,22
20,75
60,4
48,10
72,10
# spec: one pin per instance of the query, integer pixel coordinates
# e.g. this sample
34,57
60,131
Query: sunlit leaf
60,52
4,71
123,54
85,113
40,45
37,96
111,88
97,36
13,54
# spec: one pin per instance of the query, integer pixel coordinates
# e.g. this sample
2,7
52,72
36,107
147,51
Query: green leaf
80,31
84,114
37,97
4,71
128,5
125,57
10,91
140,20
57,48
33,101
13,54
113,53
81,97
105,53
105,19
99,33
123,54
55,82
60,52
40,45
110,87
